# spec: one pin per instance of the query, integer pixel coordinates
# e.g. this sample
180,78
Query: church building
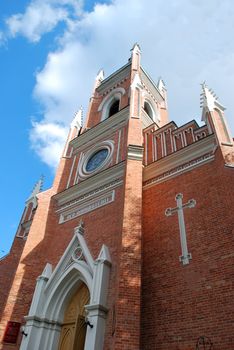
132,248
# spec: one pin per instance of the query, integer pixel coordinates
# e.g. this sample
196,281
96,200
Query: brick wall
182,303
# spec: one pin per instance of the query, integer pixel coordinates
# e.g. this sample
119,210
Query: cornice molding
184,156
103,181
135,152
179,170
102,129
85,206
114,78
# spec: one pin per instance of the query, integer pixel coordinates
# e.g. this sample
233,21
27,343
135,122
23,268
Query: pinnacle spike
78,118
37,187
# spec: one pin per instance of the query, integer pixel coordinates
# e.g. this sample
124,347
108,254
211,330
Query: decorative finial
99,78
79,229
209,99
37,188
100,75
161,84
77,121
136,48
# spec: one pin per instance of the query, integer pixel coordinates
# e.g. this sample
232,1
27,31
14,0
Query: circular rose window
96,160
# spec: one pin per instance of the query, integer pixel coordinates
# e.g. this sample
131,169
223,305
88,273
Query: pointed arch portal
76,277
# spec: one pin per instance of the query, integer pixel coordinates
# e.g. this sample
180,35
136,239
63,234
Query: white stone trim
179,170
135,152
154,108
109,178
145,119
146,149
119,91
101,131
78,167
118,147
71,171
54,289
150,87
87,206
114,79
186,256
186,155
114,95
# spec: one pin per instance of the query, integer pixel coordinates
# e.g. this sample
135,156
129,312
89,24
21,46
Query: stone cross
186,256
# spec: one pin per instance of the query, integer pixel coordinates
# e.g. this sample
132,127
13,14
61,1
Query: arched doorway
73,330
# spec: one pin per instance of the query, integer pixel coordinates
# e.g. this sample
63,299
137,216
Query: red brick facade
153,300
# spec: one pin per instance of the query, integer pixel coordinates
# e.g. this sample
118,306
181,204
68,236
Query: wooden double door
73,330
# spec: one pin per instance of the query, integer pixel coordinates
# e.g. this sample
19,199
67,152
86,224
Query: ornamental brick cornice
183,160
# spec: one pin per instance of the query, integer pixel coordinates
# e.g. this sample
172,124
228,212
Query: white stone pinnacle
100,75
37,188
161,85
77,121
136,48
209,99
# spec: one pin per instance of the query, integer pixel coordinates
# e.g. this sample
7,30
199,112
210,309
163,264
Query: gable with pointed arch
54,290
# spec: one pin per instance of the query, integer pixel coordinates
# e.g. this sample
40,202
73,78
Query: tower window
148,110
114,108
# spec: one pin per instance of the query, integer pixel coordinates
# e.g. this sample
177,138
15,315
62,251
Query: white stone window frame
153,107
105,105
109,145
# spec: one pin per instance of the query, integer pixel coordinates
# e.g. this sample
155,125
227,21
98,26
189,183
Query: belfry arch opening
149,110
114,108
73,331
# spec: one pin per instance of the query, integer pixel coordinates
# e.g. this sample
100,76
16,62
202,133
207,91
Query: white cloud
185,41
41,17
47,140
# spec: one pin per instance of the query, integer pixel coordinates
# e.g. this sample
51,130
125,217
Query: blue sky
51,51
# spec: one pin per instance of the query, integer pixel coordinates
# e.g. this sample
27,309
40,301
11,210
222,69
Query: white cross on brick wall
186,256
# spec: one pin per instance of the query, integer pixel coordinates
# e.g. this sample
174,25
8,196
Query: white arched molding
114,95
153,107
54,290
